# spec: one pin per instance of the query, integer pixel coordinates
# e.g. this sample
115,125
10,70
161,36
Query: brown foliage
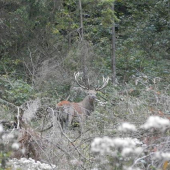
30,144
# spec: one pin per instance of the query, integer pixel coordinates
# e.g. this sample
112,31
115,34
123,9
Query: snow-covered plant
156,122
131,153
124,127
29,164
120,149
116,146
162,156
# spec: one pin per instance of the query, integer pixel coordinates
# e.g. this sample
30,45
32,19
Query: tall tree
81,21
84,53
113,51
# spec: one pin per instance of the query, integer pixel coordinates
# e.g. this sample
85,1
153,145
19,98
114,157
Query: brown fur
70,111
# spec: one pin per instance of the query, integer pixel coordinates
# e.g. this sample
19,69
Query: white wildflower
166,156
162,155
7,137
1,128
127,127
76,162
156,122
127,151
111,146
23,150
29,164
157,155
102,145
137,141
129,168
15,146
124,142
138,150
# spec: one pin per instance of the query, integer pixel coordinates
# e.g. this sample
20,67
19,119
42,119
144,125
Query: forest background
44,42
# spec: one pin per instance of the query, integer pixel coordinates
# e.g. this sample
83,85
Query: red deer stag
70,111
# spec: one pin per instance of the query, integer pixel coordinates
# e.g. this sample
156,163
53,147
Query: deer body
70,111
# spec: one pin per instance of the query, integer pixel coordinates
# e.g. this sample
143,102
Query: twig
137,160
39,146
18,118
43,130
69,140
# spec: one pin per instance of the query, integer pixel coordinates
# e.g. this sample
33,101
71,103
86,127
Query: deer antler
105,82
76,75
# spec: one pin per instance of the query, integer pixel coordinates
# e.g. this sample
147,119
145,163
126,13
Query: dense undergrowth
127,145
41,49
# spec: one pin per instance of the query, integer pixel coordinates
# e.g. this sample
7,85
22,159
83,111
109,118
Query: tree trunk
81,21
83,57
113,53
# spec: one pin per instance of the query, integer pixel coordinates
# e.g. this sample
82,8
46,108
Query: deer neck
88,105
